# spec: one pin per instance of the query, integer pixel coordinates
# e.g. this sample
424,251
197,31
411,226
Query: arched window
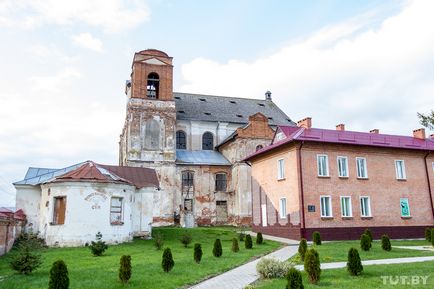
153,86
207,141
258,147
220,182
181,141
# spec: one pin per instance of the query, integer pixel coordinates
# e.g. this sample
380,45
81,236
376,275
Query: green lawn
87,272
338,251
370,278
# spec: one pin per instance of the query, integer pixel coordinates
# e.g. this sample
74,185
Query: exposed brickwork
257,128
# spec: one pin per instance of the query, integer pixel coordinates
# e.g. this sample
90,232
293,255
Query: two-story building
341,182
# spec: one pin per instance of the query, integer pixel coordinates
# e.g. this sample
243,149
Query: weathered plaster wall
28,199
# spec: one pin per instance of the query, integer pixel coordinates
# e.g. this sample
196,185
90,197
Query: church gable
257,128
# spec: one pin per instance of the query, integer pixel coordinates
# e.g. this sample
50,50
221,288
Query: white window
116,216
362,170
326,206
405,207
347,210
281,169
282,208
365,207
400,170
343,167
323,165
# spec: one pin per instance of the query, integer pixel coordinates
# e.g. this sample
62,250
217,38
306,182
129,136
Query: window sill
282,179
366,218
326,218
362,179
345,178
117,224
55,224
347,218
401,180
324,177
405,218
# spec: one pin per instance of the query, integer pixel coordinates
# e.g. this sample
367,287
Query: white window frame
330,206
398,176
282,208
409,211
281,169
350,215
357,168
318,165
346,167
362,205
432,166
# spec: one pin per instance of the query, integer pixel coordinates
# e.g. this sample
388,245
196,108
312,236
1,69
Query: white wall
28,199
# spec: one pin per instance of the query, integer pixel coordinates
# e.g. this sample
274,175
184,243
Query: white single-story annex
68,206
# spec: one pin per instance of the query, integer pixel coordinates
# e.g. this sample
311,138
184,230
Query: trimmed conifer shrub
58,276
186,239
312,266
428,234
217,251
248,242
294,279
371,238
259,238
25,260
354,264
99,246
197,252
235,247
302,248
167,263
316,237
125,268
385,243
365,242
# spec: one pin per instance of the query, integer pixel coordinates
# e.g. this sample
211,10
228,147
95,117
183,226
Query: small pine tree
385,243
259,238
248,242
217,251
294,279
25,260
58,276
312,265
186,239
369,233
302,248
125,268
428,234
316,237
365,242
354,264
99,246
197,253
167,263
235,247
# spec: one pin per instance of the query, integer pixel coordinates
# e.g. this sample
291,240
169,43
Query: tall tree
427,120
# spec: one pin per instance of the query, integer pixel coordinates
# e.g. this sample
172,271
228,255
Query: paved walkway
419,248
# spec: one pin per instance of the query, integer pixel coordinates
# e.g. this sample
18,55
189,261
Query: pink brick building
341,182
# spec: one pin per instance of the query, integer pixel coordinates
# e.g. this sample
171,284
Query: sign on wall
96,198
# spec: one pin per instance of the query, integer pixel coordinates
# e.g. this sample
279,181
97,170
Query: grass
338,251
87,272
370,278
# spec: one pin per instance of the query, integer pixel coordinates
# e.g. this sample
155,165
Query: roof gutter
303,219
429,183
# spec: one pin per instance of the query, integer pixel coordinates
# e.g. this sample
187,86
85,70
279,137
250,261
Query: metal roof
226,109
202,157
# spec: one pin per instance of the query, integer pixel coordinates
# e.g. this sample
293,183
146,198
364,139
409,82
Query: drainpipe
429,183
303,221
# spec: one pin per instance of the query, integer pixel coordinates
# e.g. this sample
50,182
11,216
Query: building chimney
305,122
375,130
419,133
340,126
268,95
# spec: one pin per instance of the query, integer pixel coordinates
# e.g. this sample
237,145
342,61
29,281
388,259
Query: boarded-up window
220,182
116,211
59,211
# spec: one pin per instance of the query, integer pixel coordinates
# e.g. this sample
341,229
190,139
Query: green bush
125,268
29,239
25,259
197,252
354,264
186,239
369,233
235,247
316,237
217,250
312,266
167,263
428,234
58,276
248,242
99,246
432,237
294,279
259,238
158,241
269,268
241,236
302,248
385,243
365,242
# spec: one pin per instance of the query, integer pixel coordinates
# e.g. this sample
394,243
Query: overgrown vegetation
354,264
302,248
248,242
385,243
59,278
167,263
158,241
428,234
217,251
316,237
25,257
197,253
125,268
271,268
312,266
97,248
432,237
294,279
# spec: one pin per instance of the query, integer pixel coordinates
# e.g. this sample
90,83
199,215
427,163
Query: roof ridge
222,96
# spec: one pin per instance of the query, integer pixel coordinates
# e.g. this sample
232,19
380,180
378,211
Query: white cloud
86,40
111,15
362,72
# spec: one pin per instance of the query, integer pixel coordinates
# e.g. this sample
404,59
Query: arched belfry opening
153,86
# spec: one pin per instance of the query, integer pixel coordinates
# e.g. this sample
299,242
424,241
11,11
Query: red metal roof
347,137
140,177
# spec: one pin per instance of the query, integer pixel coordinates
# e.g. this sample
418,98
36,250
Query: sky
63,65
